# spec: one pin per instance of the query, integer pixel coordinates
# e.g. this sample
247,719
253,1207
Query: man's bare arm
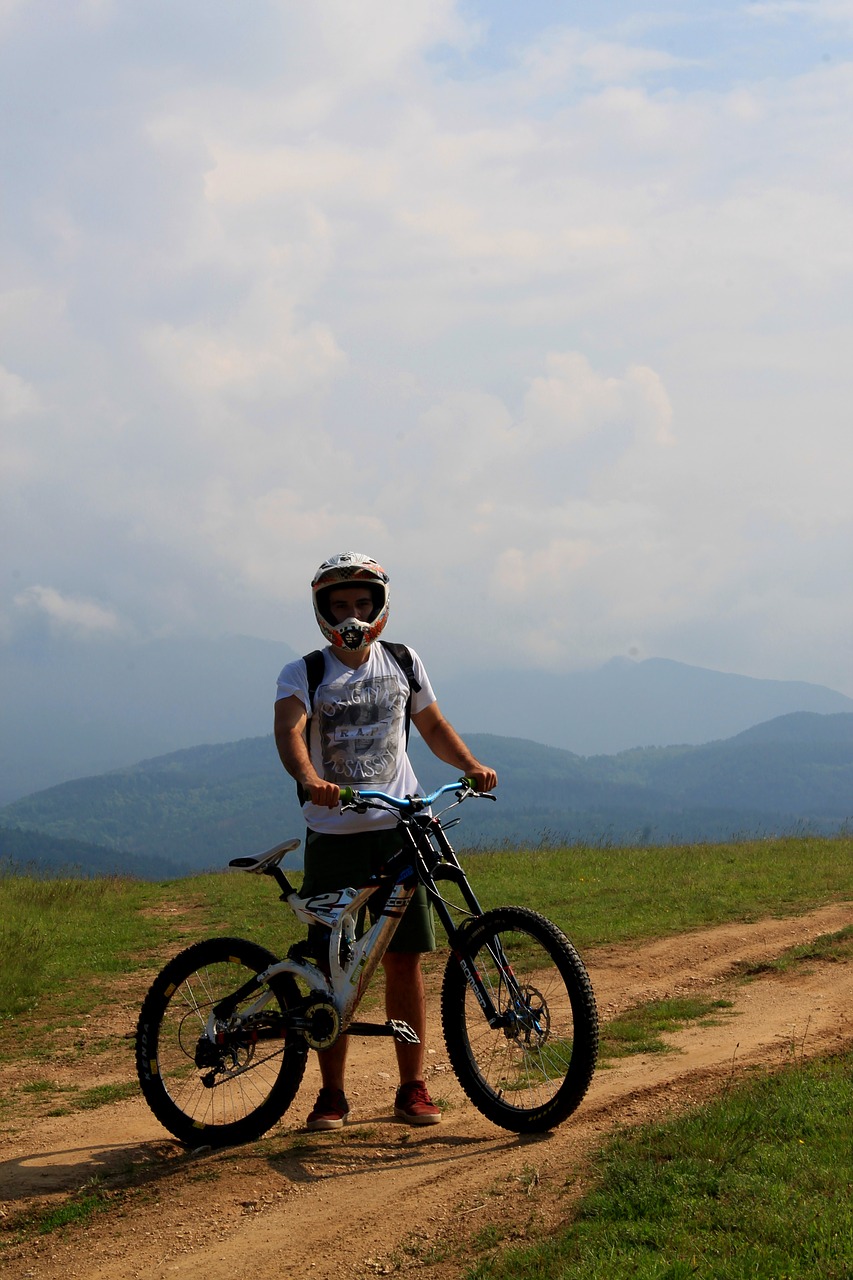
444,742
290,721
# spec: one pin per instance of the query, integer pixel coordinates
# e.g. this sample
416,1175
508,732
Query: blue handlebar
349,795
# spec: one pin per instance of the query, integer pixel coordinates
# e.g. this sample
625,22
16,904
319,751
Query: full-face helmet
350,569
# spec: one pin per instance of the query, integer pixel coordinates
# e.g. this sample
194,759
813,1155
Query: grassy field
756,1184
59,936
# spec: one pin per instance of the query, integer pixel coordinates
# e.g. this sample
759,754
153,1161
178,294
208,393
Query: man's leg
332,1064
405,1001
331,1108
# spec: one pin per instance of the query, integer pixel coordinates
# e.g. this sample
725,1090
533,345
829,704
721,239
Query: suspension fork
437,861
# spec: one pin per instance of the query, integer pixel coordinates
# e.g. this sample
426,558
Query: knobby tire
251,1082
532,1072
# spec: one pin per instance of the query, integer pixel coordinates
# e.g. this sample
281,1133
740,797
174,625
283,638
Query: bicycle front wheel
531,1070
233,1087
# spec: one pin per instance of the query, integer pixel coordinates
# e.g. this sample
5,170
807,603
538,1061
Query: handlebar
411,804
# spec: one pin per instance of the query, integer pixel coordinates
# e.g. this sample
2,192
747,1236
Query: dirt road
379,1198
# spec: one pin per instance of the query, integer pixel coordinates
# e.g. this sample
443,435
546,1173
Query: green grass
639,1030
829,946
77,1211
755,1185
101,1095
618,895
59,936
40,1087
74,1212
63,934
71,1098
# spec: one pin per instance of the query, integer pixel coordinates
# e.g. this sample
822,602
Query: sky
546,306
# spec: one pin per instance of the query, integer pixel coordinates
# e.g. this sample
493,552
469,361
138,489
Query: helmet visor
323,596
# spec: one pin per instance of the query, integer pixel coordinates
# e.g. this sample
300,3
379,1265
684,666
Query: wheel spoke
238,1083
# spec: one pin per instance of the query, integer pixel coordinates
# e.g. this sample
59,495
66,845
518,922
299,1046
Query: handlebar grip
469,782
347,794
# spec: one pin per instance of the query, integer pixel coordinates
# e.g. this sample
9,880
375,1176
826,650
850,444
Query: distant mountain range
625,704
197,808
72,709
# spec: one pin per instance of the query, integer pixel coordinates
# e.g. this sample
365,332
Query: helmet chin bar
354,634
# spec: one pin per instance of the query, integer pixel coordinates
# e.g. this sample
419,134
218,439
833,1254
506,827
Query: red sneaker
330,1110
414,1104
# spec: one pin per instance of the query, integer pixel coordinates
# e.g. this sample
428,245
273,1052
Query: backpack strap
315,668
403,658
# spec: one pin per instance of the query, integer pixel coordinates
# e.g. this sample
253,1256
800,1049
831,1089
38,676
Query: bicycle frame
426,856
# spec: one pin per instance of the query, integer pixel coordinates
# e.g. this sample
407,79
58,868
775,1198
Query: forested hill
123,700
199,807
34,852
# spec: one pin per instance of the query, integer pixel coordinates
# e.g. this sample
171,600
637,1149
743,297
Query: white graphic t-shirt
357,733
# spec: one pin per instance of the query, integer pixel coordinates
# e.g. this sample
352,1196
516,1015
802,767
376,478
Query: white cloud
571,401
278,363
324,276
830,12
243,177
17,397
562,56
69,613
545,571
374,40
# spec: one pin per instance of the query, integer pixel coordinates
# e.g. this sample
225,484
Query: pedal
403,1032
399,1030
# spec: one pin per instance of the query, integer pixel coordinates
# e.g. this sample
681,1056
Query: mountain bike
224,1032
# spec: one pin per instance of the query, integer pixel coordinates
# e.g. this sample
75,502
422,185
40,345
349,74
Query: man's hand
483,778
325,794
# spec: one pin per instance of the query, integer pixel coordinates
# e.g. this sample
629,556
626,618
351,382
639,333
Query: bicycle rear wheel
530,1072
232,1088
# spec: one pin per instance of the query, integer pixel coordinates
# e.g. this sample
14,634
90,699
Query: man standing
354,734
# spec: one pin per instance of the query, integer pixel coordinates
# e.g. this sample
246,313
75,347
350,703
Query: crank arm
401,1031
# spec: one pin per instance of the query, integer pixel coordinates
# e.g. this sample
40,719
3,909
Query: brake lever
463,794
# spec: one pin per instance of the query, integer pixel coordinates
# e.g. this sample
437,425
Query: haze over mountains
198,808
625,704
72,709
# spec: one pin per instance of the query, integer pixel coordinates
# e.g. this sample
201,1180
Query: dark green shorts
339,862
